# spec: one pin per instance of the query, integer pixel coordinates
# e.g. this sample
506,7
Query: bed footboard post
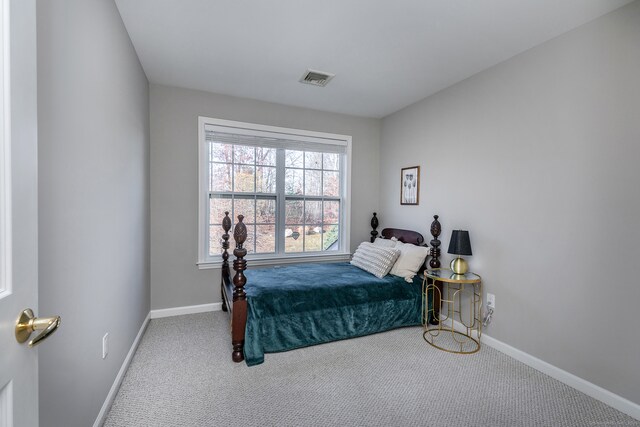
374,225
226,226
434,262
239,315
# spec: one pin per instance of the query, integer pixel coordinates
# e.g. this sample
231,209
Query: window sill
259,261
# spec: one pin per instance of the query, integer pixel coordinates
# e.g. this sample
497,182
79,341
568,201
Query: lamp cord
487,317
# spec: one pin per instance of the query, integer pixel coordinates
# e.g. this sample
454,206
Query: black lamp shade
460,243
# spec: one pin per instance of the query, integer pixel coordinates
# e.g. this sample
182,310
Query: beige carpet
182,375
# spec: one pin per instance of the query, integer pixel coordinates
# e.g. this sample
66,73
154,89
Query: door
18,211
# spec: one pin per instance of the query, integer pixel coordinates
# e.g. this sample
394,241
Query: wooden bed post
226,226
434,252
436,229
239,313
374,225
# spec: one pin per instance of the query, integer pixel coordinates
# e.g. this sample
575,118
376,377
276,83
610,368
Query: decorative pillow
410,260
385,243
375,259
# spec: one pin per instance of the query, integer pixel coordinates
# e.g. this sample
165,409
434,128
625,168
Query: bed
286,307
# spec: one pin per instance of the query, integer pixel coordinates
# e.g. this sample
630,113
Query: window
291,186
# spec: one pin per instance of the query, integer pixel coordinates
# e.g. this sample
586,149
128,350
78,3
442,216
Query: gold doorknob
28,323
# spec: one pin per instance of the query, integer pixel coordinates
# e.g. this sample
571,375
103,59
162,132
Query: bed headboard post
226,226
374,225
436,229
239,314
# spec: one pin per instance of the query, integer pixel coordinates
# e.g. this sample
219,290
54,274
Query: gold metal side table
446,296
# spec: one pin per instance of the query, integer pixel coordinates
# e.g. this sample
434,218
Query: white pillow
385,243
410,260
375,259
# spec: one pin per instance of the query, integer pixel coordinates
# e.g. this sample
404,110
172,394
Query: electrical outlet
105,345
491,301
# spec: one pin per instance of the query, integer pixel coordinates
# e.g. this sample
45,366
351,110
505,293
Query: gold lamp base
459,266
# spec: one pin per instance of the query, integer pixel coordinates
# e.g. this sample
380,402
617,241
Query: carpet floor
182,375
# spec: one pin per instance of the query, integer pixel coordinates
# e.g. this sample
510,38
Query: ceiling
385,54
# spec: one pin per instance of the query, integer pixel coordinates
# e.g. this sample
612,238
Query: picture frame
410,185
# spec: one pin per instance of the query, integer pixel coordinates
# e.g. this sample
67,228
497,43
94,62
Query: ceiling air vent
316,78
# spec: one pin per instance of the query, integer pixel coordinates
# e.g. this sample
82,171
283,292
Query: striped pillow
385,243
375,259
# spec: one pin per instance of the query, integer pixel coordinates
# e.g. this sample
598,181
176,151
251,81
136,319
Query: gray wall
175,278
93,123
538,158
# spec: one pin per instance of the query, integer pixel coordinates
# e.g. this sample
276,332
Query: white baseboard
123,369
189,309
605,396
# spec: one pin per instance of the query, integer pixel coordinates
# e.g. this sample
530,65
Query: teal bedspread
306,304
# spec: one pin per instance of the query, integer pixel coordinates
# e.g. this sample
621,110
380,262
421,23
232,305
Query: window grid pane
294,159
330,237
312,160
243,155
313,238
244,178
218,205
215,239
294,238
265,211
265,238
265,179
265,156
294,181
250,243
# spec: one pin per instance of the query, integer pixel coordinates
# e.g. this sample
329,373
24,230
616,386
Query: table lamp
459,245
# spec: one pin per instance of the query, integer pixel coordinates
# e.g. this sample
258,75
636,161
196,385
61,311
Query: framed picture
410,185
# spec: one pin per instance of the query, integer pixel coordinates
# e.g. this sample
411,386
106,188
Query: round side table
442,310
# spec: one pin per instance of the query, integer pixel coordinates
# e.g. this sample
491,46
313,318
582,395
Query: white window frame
5,155
206,261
